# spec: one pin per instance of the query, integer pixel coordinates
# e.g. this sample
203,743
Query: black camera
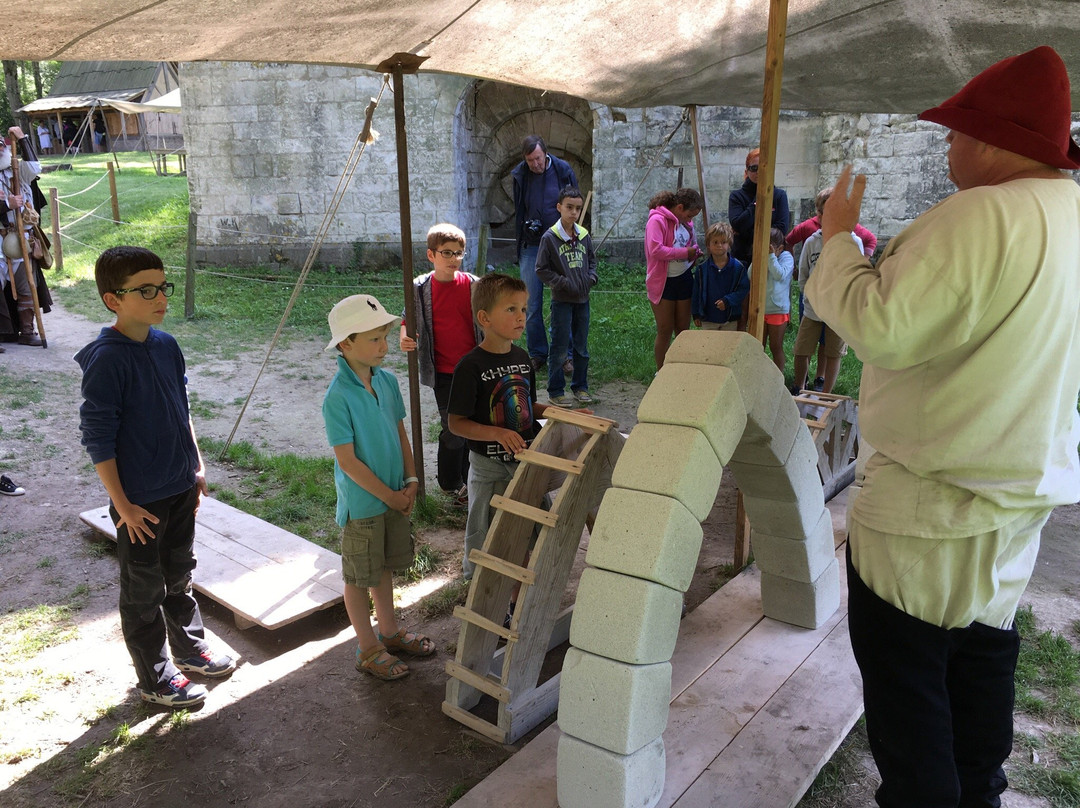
534,226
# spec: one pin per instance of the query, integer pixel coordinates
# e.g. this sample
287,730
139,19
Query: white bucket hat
355,315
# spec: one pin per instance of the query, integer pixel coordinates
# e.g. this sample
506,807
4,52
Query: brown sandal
380,664
409,642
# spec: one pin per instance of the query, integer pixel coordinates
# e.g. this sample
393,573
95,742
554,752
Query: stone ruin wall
267,143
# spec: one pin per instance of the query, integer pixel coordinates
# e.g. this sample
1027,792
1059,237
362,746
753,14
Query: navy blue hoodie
732,283
135,410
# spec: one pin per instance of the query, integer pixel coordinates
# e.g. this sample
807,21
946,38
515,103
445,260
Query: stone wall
267,144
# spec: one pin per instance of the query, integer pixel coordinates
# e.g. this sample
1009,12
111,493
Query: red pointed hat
1021,104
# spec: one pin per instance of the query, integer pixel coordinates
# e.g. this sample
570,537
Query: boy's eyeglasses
451,253
149,291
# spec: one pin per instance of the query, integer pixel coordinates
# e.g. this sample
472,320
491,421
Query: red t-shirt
452,321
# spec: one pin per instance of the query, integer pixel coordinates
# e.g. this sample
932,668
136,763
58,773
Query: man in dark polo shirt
538,178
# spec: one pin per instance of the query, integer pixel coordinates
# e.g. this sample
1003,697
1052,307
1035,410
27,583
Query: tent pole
700,167
770,121
398,65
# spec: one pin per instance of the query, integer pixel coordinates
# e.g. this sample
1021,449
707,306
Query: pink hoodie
659,238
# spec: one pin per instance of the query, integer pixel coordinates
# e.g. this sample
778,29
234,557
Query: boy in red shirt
445,332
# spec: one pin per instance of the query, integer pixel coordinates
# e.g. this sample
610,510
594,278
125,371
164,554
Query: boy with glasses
137,429
445,332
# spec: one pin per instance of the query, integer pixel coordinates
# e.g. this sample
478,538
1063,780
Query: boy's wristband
411,480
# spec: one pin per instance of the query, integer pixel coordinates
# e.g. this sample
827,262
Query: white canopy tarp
170,102
840,55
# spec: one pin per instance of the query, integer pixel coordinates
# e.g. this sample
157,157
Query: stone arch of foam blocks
718,401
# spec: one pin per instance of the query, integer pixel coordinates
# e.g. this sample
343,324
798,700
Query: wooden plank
559,634
521,715
775,758
271,588
549,461
590,423
467,615
527,780
473,679
709,714
482,559
474,723
531,512
552,562
489,594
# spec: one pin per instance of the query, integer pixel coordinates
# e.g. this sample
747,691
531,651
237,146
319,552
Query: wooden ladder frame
834,424
574,453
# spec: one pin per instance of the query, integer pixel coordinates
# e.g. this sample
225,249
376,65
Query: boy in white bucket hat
375,480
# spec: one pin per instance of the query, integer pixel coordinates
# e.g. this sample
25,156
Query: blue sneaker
208,664
179,692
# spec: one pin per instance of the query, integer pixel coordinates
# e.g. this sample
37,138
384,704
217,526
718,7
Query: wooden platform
265,575
757,708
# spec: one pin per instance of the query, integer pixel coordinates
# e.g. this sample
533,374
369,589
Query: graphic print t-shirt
495,390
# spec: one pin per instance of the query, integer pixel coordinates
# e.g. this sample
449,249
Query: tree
13,96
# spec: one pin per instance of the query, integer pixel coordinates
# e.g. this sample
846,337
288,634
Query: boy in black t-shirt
493,400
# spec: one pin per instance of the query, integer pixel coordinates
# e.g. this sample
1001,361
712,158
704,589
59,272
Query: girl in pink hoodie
670,250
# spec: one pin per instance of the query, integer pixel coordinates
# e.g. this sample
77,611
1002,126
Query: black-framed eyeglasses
149,291
451,253
754,167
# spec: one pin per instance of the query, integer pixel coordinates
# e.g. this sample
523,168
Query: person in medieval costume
17,315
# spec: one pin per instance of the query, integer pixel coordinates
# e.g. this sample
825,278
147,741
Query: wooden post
770,122
482,249
112,193
58,250
585,207
189,277
398,65
29,267
700,167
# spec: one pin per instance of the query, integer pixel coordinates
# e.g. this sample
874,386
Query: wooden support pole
189,274
482,248
397,65
770,120
112,193
770,123
700,167
58,250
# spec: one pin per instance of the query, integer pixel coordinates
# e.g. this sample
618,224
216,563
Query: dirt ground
295,725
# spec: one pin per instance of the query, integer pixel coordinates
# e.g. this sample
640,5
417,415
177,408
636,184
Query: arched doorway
492,119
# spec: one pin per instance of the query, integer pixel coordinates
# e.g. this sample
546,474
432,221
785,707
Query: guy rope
367,135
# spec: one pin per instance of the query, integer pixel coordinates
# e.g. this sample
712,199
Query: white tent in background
170,102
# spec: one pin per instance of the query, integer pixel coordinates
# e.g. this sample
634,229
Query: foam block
785,518
802,604
760,381
772,445
590,777
626,619
647,536
800,559
795,480
676,461
700,396
611,704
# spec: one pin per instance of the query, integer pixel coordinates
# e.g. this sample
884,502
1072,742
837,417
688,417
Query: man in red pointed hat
944,533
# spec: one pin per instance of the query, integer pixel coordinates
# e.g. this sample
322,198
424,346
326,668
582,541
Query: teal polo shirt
370,424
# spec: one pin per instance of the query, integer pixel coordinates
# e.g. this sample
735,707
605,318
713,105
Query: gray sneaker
583,397
179,692
565,400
